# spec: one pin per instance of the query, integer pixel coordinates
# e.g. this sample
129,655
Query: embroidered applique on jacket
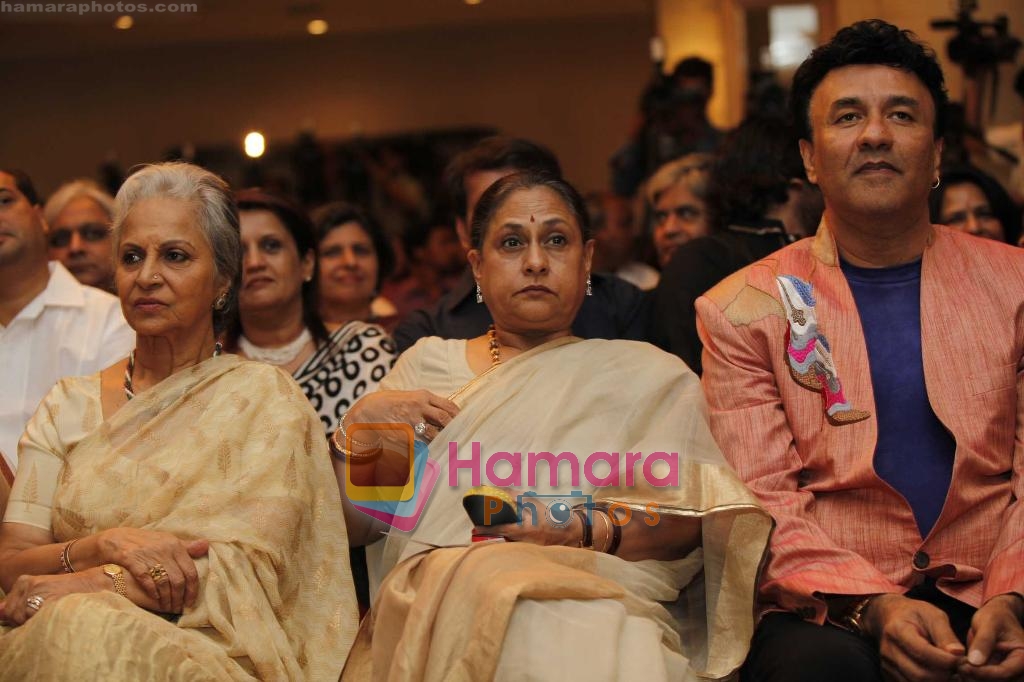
808,353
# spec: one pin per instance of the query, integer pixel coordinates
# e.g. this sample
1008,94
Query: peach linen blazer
840,528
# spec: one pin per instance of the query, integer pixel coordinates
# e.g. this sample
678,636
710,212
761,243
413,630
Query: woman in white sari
653,580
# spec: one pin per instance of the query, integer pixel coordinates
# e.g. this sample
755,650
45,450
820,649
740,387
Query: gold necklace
492,344
495,348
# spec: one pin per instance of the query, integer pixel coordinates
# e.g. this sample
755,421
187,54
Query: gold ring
158,573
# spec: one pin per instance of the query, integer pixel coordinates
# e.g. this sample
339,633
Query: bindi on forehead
532,219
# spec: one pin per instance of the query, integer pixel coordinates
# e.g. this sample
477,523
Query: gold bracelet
341,452
65,557
341,427
608,527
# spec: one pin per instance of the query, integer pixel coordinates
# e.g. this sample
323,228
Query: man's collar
63,290
826,251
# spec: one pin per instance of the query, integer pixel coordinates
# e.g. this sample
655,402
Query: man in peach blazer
868,384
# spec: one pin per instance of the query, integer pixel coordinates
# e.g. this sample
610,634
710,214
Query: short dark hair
498,193
1003,208
494,153
695,67
335,214
757,162
868,42
300,227
24,184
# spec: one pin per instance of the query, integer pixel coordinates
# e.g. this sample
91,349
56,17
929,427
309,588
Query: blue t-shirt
915,451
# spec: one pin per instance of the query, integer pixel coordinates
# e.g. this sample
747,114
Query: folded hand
161,563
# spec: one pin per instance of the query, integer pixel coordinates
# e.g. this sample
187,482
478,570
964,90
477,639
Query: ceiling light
473,2
255,145
124,22
317,27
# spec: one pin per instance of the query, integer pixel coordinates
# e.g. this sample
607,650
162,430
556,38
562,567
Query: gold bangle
65,557
608,528
341,427
340,452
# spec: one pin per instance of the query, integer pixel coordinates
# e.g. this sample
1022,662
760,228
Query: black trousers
787,648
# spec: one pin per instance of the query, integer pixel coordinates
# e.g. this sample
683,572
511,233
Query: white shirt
69,329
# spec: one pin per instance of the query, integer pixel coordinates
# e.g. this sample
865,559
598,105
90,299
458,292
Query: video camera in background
978,45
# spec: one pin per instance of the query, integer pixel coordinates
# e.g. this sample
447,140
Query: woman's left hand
44,590
539,529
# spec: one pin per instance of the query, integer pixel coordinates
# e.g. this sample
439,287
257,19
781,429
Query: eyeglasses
90,232
686,213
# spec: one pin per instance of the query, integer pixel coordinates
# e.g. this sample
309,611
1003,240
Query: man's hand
915,640
996,641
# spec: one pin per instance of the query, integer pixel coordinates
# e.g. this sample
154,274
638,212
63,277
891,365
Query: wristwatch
116,573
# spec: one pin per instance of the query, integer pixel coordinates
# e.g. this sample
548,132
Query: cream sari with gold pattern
229,451
516,611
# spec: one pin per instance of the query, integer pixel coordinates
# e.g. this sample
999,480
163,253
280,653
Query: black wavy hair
868,42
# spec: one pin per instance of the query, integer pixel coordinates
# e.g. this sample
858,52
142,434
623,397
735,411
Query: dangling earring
479,294
590,289
938,181
221,302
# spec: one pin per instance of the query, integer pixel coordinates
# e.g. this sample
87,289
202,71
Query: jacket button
921,560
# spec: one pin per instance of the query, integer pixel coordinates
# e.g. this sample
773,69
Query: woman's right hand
140,551
403,407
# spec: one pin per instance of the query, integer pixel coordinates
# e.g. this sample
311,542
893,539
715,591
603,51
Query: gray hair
691,170
216,213
75,189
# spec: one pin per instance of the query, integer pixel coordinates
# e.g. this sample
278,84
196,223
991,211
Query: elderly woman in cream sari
174,517
637,554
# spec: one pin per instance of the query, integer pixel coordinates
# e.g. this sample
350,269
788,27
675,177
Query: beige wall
713,29
699,27
571,85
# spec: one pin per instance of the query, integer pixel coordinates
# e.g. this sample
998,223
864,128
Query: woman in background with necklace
279,320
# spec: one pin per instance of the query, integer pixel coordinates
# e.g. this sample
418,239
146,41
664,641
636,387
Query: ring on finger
420,428
35,602
158,573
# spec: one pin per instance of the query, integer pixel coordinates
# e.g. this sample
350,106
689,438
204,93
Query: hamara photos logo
400,506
